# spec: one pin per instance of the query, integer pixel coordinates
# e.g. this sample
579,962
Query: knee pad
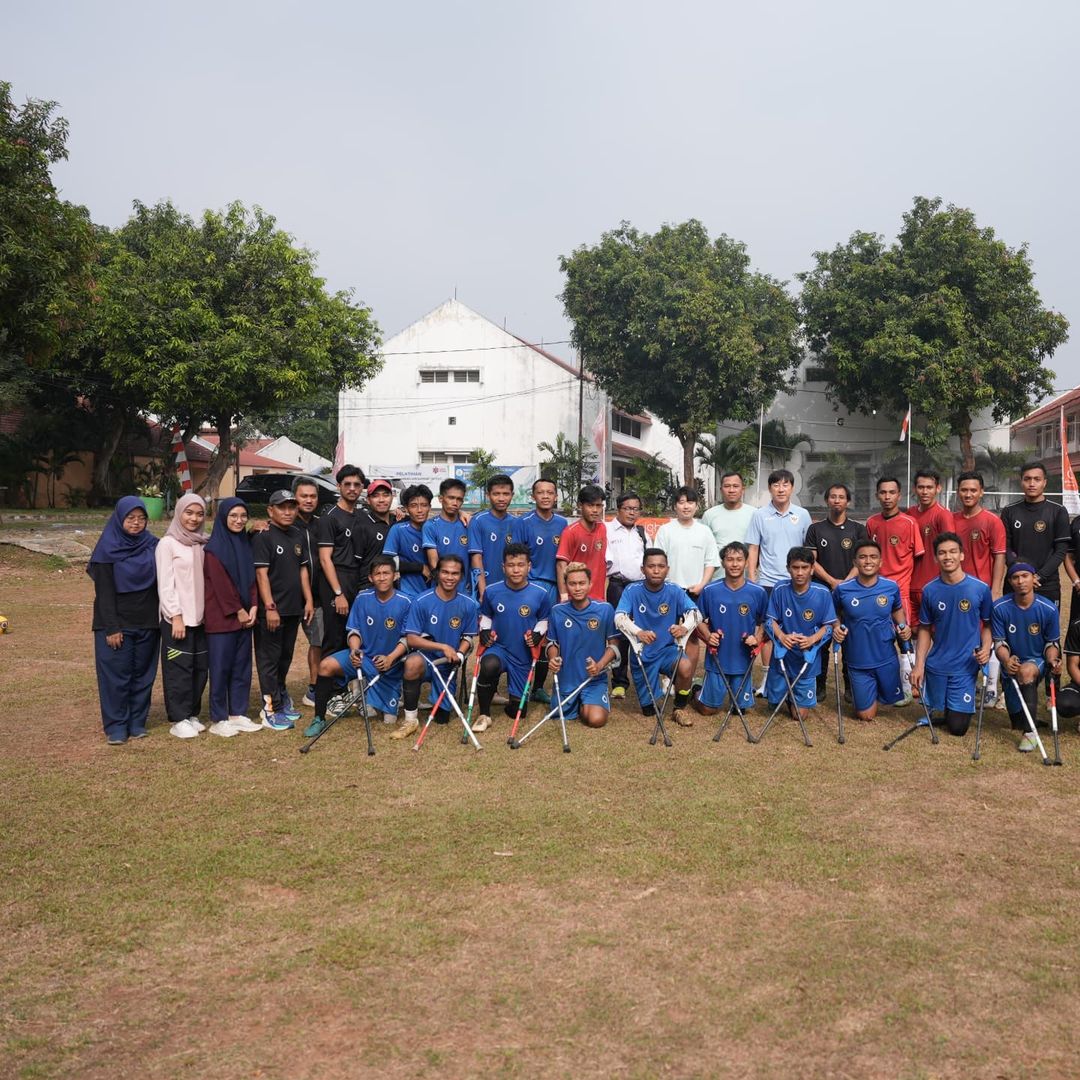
490,670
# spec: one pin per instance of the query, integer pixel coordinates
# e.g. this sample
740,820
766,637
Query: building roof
621,450
1044,413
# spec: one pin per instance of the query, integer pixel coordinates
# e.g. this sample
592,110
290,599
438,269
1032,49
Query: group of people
397,600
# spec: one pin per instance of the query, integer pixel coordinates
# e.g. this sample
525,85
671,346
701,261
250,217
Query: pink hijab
178,532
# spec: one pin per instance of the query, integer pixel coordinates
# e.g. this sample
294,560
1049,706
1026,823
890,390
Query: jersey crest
664,609
965,604
455,621
744,609
524,610
1039,526
975,534
882,600
808,614
298,550
846,543
894,539
390,623
593,623
1033,629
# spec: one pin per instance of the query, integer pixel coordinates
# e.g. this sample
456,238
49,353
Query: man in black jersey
1037,531
834,539
375,520
307,521
338,529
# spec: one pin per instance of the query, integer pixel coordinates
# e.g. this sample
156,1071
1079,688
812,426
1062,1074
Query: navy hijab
233,550
132,557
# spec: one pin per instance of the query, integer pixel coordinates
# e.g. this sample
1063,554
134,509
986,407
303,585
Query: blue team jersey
380,624
735,613
488,535
956,613
406,542
543,540
579,635
656,611
867,611
445,621
513,614
1027,631
800,613
447,538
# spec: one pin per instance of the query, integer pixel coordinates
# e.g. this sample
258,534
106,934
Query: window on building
816,373
1048,439
625,425
1073,424
444,457
448,375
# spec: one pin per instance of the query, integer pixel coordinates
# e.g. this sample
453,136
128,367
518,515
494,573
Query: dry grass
231,909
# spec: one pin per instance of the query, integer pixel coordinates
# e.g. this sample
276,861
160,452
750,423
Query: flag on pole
599,437
183,473
339,452
1070,493
905,424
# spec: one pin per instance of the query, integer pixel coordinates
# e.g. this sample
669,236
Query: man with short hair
307,521
898,537
931,519
490,531
340,537
1037,531
689,545
626,544
729,520
404,542
585,541
447,533
375,520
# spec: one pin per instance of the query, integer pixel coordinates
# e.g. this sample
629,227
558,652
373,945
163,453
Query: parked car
255,490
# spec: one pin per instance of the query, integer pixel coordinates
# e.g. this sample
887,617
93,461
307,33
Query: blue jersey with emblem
867,611
1027,631
579,635
380,624
406,542
447,538
543,540
488,535
956,613
513,614
735,613
800,613
656,611
445,621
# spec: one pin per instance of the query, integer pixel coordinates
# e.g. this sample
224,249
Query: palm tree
835,469
997,465
483,469
778,444
733,453
568,462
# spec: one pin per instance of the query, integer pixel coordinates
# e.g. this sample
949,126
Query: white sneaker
389,717
184,729
224,729
242,723
500,699
410,724
197,724
482,724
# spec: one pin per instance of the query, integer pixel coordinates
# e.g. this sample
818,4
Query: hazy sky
419,147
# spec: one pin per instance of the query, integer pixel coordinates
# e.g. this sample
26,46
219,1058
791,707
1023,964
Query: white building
453,381
284,449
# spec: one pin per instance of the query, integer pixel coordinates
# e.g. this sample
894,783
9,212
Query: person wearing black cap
284,584
339,529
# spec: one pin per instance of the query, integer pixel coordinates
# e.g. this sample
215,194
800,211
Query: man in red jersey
983,540
932,519
585,541
898,537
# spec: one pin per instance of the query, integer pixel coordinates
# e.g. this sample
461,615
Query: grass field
229,908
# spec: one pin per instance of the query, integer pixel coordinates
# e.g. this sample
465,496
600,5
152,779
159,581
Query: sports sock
324,691
410,696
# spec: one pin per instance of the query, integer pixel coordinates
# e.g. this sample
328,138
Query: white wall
284,449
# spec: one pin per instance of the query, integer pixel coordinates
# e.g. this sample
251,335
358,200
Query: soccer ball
4,628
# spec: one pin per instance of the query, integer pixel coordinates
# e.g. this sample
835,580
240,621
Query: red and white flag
1070,493
599,430
339,452
905,424
183,473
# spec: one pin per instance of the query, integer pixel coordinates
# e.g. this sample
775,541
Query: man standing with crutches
1026,633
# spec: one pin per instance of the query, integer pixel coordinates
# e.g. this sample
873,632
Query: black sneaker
648,710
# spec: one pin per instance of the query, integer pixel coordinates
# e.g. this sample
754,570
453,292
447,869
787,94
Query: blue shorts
805,688
870,685
517,673
661,664
1012,701
715,696
955,692
385,695
594,693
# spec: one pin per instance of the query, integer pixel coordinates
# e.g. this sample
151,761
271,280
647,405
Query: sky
422,149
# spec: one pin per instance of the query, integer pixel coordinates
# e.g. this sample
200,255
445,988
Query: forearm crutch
635,648
1052,695
929,723
527,692
1030,720
789,695
348,703
733,698
560,703
839,700
367,720
427,723
434,665
472,691
978,723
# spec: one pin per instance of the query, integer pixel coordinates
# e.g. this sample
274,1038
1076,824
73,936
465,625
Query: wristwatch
337,592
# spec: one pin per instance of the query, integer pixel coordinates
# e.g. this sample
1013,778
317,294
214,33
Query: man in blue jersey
656,616
490,531
957,607
582,643
513,619
1026,631
405,541
733,611
800,618
542,530
441,624
375,631
448,532
871,614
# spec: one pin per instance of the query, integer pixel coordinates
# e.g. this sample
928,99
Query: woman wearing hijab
125,620
181,593
231,606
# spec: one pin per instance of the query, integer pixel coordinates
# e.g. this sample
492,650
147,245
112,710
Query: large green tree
224,318
46,244
947,317
679,324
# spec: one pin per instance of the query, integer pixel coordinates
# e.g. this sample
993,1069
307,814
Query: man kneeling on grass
375,631
651,614
871,614
582,644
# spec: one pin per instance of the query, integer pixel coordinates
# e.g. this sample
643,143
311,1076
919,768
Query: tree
999,466
483,469
679,324
654,483
312,423
739,452
778,444
45,244
947,318
568,461
835,469
224,318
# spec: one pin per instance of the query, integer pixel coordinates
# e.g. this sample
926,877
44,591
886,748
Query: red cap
376,484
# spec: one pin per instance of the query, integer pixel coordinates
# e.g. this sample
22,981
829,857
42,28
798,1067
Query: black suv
257,489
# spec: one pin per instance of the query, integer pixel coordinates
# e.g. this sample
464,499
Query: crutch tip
841,740
513,744
566,749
